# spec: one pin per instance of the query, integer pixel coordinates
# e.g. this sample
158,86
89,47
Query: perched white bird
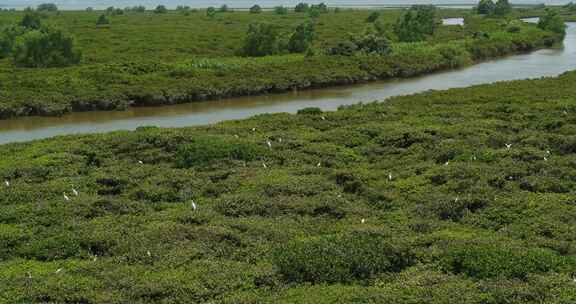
447,163
7,183
253,129
66,197
58,270
323,118
319,164
456,199
95,258
75,192
389,176
264,165
149,253
363,221
29,275
545,158
140,162
548,152
269,144
236,135
508,146
474,157
193,204
280,139
339,195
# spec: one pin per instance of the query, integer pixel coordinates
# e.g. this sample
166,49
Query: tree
160,9
261,40
416,23
47,47
372,43
8,37
102,20
373,17
110,10
47,7
302,38
322,7
485,7
89,9
301,7
256,9
552,22
211,12
502,8
224,9
31,20
314,13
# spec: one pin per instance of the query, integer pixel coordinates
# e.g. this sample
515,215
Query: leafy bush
45,48
281,10
418,22
340,258
302,38
261,40
373,17
552,22
160,9
483,261
103,20
301,7
205,149
255,9
47,7
31,20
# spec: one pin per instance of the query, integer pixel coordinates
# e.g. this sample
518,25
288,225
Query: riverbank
472,187
116,86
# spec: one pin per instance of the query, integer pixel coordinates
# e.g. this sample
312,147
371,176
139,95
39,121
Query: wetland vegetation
458,196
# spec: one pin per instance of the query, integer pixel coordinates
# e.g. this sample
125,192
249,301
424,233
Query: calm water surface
549,62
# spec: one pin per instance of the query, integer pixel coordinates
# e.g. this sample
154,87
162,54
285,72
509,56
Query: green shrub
373,17
47,47
204,149
340,258
302,38
261,40
103,20
160,9
255,9
484,261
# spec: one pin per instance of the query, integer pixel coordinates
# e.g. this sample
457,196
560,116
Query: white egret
193,204
269,144
66,197
140,162
264,165
508,146
7,183
319,164
363,221
545,158
58,270
280,139
149,253
253,129
447,163
323,118
389,176
75,192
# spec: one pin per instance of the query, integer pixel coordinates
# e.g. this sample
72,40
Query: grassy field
459,196
158,59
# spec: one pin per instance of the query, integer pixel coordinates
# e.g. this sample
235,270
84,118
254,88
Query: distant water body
81,4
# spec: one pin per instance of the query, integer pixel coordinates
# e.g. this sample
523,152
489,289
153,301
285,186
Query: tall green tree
47,47
31,20
502,8
256,9
302,38
262,39
485,7
301,7
418,22
552,22
47,7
